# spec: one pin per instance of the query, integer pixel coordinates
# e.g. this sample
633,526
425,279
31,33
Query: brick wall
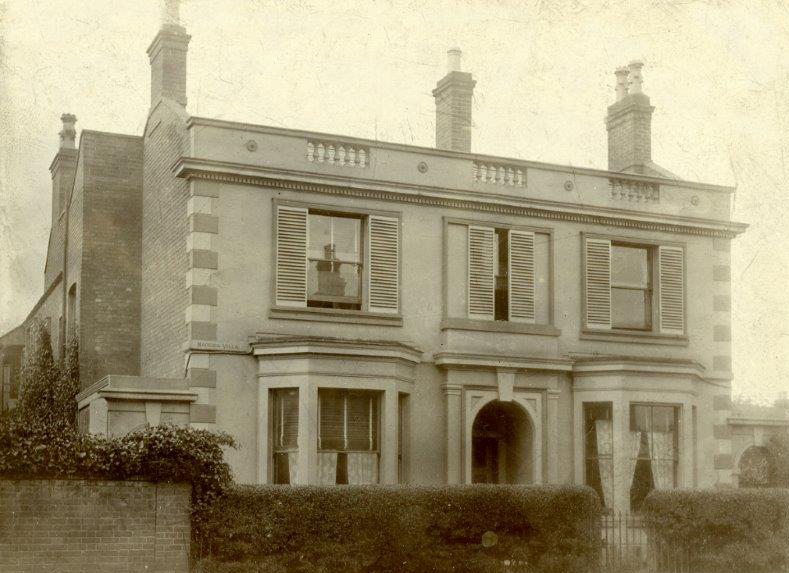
96,526
111,255
164,255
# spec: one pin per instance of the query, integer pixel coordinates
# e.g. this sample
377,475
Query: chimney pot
171,13
636,79
453,60
621,82
68,135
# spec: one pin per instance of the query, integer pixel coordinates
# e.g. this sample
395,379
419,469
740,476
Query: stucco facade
467,318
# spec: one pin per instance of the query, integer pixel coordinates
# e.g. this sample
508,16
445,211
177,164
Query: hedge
161,453
722,530
475,529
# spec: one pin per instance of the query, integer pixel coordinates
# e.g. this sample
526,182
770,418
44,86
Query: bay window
599,450
654,449
348,429
285,433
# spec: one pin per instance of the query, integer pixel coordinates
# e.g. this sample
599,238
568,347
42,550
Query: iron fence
627,547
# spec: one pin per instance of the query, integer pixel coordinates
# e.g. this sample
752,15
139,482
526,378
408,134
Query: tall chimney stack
629,123
453,95
63,166
167,54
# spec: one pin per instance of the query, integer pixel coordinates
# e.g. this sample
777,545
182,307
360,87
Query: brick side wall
111,259
164,256
96,526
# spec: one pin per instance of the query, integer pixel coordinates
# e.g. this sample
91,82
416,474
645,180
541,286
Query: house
357,311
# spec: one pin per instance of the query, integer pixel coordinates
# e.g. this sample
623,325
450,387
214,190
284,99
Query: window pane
333,237
332,420
362,422
629,309
639,418
334,281
286,419
629,266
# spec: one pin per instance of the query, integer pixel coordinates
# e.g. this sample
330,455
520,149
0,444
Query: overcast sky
717,72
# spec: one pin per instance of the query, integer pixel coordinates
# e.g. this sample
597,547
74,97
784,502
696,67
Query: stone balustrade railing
335,153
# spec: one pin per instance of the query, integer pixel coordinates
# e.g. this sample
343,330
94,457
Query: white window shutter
598,283
383,264
481,282
521,276
671,274
291,268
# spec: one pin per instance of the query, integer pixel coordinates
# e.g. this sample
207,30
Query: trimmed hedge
722,530
475,529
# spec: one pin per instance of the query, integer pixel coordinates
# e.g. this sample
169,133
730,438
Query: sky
716,71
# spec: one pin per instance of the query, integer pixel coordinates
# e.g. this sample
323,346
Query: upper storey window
498,274
334,274
337,259
634,287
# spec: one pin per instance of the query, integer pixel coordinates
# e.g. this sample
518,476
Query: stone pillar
454,434
389,437
552,455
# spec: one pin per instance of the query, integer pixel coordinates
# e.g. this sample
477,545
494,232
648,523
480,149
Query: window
599,450
501,276
285,433
335,261
338,260
620,286
654,444
347,437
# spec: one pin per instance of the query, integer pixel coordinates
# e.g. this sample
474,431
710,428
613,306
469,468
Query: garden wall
93,525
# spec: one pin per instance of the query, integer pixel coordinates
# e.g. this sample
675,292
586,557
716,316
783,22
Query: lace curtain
661,447
293,467
362,468
605,461
327,468
633,447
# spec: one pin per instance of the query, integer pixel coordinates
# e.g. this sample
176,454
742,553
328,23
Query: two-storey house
356,311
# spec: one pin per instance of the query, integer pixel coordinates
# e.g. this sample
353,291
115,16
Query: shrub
778,446
161,453
402,528
49,387
723,530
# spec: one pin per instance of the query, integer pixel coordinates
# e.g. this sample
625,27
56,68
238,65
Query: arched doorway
502,445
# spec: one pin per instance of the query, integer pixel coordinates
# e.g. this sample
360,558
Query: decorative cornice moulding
210,170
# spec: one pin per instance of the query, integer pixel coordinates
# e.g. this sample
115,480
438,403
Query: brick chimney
64,166
629,124
167,54
453,95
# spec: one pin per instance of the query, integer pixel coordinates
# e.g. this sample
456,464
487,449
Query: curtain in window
327,468
661,447
605,450
293,467
632,450
362,468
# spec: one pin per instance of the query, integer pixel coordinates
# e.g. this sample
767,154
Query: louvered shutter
383,264
598,283
521,276
481,282
291,271
671,271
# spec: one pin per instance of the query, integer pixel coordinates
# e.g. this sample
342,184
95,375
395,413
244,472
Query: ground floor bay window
653,442
347,437
599,450
285,433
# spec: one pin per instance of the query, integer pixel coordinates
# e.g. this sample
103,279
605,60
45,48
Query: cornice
464,361
264,345
242,174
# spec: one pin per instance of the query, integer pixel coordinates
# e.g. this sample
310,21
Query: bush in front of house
722,530
475,529
39,438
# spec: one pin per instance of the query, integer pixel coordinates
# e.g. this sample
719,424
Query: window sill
500,326
634,337
335,315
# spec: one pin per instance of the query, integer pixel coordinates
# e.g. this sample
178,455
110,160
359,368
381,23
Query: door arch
502,444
